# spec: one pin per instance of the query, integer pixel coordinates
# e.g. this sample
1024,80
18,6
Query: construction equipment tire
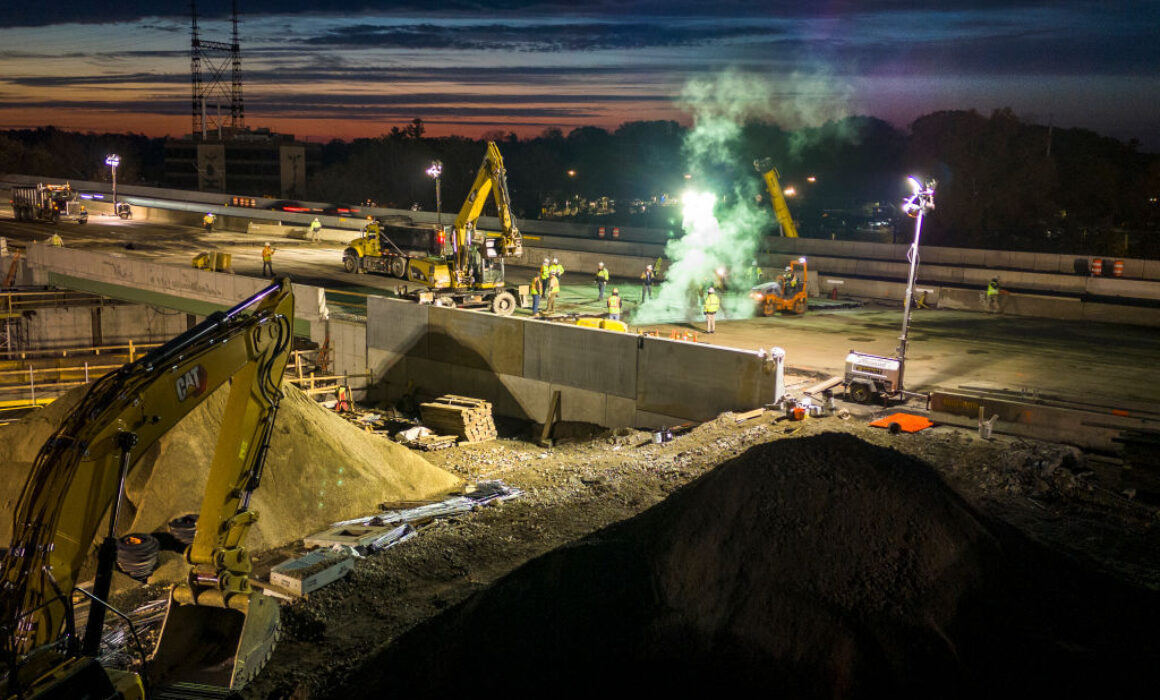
399,267
799,306
350,261
860,393
503,304
768,308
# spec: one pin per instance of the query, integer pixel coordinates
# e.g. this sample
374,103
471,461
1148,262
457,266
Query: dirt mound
819,567
319,469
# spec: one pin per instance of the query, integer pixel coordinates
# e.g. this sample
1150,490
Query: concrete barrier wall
188,290
613,379
73,327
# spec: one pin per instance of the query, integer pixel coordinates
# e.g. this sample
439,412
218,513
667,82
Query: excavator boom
78,479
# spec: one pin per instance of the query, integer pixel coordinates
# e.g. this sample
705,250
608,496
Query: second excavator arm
491,179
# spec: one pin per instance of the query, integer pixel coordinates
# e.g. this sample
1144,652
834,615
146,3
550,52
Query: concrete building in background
256,162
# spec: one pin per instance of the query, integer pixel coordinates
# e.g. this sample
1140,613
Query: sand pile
319,469
819,567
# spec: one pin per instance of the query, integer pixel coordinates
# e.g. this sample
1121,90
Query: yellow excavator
218,630
460,266
776,196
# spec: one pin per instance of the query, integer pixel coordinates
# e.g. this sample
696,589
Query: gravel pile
817,567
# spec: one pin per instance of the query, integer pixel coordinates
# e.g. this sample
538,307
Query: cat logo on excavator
192,383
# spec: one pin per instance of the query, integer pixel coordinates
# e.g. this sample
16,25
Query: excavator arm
77,482
776,196
491,179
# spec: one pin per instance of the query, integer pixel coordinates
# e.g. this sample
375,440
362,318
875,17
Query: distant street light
113,160
811,179
789,191
435,171
571,173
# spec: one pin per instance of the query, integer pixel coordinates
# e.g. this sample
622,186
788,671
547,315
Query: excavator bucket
202,645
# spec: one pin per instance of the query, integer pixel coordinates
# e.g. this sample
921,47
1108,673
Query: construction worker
545,272
207,221
556,269
56,241
993,292
268,259
315,230
536,291
553,292
711,307
601,280
372,227
614,305
647,278
788,281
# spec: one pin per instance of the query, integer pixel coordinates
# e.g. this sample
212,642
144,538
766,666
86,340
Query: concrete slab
476,339
594,359
522,398
619,412
397,325
695,381
581,405
647,419
390,374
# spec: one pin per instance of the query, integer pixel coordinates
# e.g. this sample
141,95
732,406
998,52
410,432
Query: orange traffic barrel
1097,267
600,232
1118,268
616,232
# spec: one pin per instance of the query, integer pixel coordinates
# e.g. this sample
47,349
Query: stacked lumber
462,416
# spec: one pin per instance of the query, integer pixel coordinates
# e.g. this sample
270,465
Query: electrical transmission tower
209,62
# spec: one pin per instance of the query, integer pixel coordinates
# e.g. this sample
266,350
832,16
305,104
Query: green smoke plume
724,220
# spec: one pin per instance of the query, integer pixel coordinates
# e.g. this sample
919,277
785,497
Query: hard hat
546,261
267,244
711,291
648,267
616,290
600,264
555,260
789,268
369,217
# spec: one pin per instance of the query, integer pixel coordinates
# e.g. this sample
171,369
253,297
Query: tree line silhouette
1003,183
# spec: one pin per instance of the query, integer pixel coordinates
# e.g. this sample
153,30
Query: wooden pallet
462,416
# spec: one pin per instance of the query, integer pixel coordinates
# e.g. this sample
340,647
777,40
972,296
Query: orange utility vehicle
771,297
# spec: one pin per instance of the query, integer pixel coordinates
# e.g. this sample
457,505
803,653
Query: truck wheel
860,393
767,308
350,261
800,306
399,267
503,304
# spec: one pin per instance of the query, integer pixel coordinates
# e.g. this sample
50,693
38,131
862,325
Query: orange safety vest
267,254
614,304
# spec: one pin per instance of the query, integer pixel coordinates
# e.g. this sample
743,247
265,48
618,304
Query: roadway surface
1099,363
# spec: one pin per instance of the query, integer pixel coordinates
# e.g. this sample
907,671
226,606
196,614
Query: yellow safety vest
712,303
553,284
545,271
992,289
614,304
267,254
556,269
602,274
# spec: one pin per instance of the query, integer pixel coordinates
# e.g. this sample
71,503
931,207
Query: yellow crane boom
776,196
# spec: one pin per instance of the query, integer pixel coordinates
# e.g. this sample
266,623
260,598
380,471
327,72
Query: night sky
475,67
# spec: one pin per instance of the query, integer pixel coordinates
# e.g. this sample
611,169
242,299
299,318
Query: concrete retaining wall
613,379
73,327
